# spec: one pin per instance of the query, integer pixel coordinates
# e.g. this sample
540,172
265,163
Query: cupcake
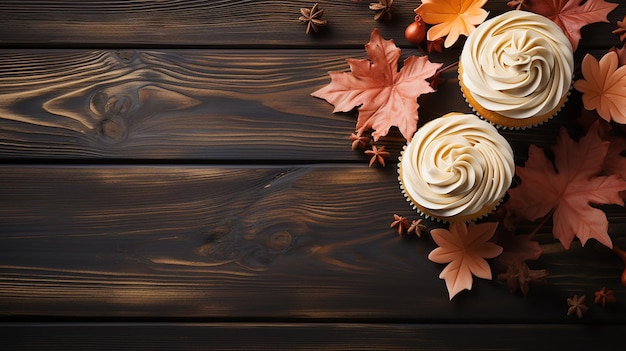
516,69
457,168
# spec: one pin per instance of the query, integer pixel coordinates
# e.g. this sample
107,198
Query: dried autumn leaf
451,18
570,15
385,96
518,248
465,249
570,189
604,87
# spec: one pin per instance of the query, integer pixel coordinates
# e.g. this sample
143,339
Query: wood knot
278,241
126,56
117,105
113,129
111,103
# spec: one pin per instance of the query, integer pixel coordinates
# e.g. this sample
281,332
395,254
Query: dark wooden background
167,182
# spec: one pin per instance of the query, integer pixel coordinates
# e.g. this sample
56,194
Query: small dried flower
400,222
378,155
603,295
383,9
359,141
434,45
516,4
519,276
313,18
577,305
417,227
621,29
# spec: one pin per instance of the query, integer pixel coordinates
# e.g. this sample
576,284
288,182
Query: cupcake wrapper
503,122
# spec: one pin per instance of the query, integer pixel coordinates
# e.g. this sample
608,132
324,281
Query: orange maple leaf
570,15
465,249
604,87
386,97
451,18
569,189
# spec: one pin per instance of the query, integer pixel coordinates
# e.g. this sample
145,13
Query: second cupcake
516,69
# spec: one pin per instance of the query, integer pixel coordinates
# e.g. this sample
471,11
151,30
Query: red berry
416,31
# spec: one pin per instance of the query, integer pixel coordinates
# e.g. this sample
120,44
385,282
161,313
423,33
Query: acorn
416,31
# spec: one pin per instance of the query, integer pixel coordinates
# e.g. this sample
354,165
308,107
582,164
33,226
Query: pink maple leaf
465,249
569,189
570,15
385,97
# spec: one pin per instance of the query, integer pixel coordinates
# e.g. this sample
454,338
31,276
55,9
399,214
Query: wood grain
241,23
219,105
309,336
250,242
167,182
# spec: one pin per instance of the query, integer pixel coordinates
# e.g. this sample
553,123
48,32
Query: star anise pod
603,296
516,4
378,155
383,9
417,227
359,141
577,306
402,223
313,18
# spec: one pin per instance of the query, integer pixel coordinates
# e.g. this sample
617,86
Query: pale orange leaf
604,87
464,249
451,18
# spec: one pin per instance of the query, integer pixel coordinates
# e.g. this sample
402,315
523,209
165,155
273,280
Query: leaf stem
542,223
450,66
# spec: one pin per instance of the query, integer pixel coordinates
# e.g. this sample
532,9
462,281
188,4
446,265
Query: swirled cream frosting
518,64
456,168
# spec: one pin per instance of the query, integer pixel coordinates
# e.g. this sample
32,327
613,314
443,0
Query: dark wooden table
167,182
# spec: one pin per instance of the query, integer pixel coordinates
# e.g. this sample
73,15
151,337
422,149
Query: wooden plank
309,336
119,23
216,104
219,105
297,243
